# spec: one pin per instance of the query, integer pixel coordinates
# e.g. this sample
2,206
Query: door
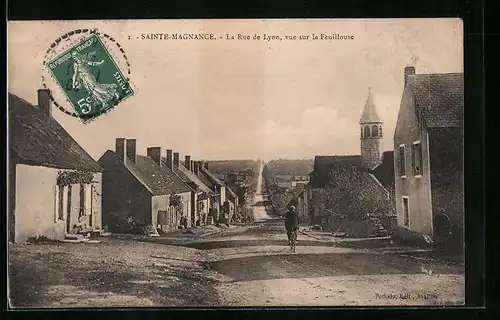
82,212
89,204
68,210
406,212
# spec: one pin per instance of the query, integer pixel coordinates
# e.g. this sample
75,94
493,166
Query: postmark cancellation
88,75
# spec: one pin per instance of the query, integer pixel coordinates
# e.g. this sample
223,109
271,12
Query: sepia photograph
235,163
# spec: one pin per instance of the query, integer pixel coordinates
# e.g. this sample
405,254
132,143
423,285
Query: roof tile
440,97
160,180
187,175
38,138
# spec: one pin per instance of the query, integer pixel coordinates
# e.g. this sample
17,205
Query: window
90,195
402,162
380,131
361,132
82,201
406,212
60,209
171,216
367,132
416,157
374,131
68,209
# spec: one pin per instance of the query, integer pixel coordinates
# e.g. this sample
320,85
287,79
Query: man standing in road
291,222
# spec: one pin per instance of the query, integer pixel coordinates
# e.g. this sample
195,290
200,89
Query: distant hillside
291,167
221,166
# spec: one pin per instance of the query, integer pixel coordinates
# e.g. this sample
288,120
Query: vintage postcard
230,163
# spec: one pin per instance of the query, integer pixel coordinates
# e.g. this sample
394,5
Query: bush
41,240
127,225
119,223
161,232
411,238
145,230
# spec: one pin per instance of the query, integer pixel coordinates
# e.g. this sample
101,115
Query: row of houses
423,174
56,188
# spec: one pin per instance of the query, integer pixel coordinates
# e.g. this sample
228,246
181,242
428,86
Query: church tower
371,134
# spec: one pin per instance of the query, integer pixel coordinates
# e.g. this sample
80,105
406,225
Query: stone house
142,190
216,185
233,202
302,205
201,194
54,184
428,157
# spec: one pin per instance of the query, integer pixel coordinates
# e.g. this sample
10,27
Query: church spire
370,112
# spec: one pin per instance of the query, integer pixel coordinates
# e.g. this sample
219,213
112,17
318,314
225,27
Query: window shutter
65,201
88,199
56,203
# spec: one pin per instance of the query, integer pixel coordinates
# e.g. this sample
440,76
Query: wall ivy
65,178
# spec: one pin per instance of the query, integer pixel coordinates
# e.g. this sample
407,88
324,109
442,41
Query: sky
246,99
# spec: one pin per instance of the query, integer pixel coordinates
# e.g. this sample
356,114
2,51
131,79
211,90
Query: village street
246,265
241,266
255,267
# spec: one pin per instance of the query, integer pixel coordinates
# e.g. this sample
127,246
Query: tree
242,192
282,198
353,193
176,201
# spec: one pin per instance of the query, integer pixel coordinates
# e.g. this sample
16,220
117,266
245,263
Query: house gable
111,163
407,123
384,172
212,177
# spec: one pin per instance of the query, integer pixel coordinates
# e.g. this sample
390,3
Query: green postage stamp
90,78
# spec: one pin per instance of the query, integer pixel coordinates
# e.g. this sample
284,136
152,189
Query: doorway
68,211
406,212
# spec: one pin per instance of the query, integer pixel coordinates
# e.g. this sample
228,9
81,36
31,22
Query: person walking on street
291,223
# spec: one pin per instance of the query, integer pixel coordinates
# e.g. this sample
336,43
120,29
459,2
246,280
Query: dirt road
114,273
256,268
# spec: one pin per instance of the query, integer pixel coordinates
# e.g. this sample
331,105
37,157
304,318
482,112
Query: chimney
409,71
192,165
120,148
206,166
176,159
187,162
201,165
196,167
170,162
44,102
155,154
131,150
